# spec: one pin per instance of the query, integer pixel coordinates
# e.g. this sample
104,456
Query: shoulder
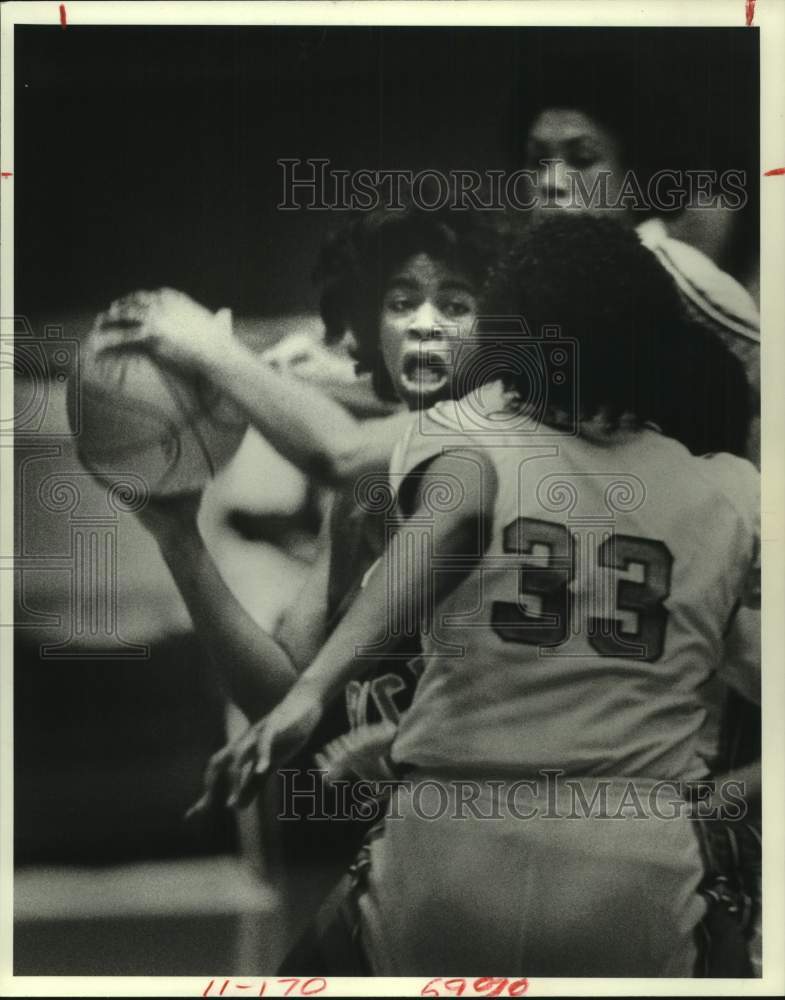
443,448
447,426
480,412
461,483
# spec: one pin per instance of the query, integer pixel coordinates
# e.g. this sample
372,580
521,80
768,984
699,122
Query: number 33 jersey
621,573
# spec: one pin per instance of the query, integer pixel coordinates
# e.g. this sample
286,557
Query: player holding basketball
553,646
406,285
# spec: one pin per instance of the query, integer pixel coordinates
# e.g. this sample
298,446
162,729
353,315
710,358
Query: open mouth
425,371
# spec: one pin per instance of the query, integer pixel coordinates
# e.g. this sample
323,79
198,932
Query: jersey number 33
548,585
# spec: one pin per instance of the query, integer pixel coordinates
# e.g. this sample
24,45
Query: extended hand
268,743
166,322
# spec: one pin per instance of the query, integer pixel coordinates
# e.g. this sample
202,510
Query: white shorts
565,895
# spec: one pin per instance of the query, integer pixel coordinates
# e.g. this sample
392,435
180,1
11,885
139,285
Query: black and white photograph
392,532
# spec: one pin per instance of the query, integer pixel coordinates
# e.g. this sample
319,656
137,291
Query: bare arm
406,584
432,539
303,626
248,663
306,426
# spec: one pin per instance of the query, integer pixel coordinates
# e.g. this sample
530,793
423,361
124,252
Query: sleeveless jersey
605,600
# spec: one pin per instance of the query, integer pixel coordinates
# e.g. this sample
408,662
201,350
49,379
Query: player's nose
426,323
553,181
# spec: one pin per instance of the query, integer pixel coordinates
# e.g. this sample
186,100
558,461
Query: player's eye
455,308
584,157
400,304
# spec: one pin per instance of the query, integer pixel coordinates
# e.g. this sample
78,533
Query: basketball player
407,285
582,137
581,140
553,649
221,621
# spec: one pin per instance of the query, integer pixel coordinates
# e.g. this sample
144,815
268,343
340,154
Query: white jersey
617,575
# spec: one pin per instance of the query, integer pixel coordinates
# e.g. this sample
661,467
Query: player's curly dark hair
638,354
356,263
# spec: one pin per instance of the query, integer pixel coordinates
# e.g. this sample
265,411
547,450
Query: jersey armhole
410,485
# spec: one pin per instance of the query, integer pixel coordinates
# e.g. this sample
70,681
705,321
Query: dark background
147,156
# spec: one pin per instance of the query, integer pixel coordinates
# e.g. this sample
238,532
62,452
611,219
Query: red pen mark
750,11
489,986
64,22
775,173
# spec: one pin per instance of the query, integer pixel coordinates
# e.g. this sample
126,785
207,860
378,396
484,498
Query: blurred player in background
602,120
551,648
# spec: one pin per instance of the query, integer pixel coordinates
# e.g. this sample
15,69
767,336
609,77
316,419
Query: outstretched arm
311,430
406,584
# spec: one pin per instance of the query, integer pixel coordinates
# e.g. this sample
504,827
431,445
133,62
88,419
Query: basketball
139,416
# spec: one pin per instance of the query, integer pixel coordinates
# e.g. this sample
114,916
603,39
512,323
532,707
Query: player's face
583,148
425,305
